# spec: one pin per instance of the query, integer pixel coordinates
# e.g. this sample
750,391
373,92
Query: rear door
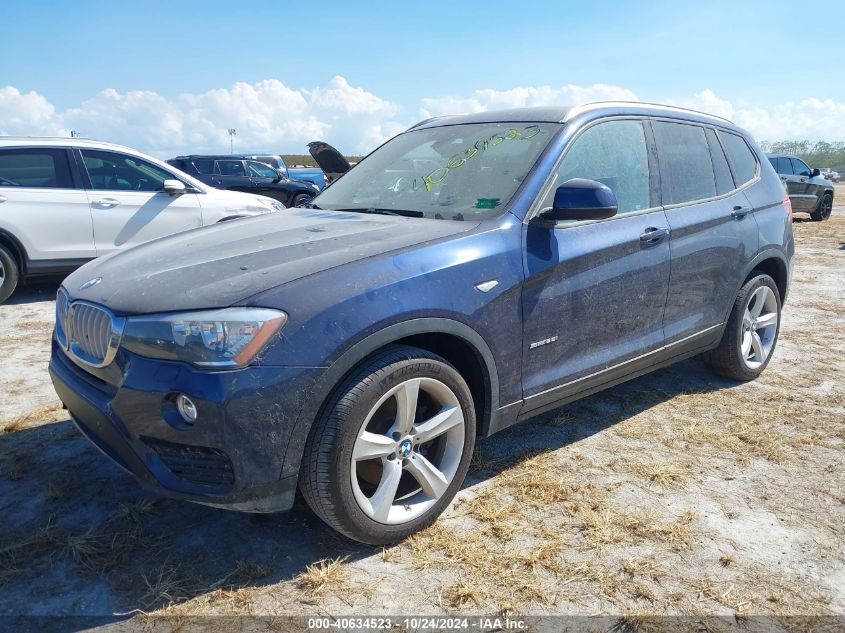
128,204
595,291
43,205
714,233
231,174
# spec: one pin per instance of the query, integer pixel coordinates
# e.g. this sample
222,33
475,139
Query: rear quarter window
38,168
686,169
742,159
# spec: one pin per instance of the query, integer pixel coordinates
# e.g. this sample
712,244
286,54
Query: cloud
271,116
483,100
268,116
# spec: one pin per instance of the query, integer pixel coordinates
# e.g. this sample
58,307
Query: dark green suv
808,190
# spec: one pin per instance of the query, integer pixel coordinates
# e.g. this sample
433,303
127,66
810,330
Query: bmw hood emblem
90,282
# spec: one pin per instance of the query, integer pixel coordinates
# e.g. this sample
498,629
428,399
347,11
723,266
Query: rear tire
9,274
368,470
824,209
750,336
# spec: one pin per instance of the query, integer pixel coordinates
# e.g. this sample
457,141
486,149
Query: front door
128,205
595,291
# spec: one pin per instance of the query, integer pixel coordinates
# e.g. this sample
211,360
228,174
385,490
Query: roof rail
584,106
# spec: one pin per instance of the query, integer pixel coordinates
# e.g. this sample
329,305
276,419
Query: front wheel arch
348,362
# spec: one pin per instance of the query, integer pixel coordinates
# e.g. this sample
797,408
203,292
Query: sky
172,77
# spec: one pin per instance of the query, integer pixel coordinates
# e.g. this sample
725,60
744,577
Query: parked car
331,161
306,174
808,190
829,174
311,174
247,175
65,201
472,272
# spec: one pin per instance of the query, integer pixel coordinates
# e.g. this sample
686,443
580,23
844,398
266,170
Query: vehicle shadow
35,292
71,513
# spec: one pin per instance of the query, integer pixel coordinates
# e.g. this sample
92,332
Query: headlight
226,338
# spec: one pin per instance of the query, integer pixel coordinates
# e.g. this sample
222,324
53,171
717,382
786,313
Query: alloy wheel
827,207
2,274
407,451
759,327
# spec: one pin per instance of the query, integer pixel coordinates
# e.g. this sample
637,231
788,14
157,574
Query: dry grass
327,575
43,415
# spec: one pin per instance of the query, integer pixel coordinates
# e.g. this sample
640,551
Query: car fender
350,358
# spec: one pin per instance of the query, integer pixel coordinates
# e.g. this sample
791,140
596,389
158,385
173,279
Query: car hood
331,161
223,264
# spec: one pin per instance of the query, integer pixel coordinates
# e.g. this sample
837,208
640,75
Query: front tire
392,447
824,209
301,199
752,331
9,274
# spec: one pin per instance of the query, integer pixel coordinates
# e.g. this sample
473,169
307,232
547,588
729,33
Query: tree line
818,154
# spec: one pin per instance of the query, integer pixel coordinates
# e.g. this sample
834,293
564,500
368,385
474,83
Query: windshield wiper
377,211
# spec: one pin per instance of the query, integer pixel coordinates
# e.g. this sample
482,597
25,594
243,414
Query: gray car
808,190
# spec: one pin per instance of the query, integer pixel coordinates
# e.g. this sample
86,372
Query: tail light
787,204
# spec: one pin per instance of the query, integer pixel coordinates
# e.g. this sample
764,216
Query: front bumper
231,457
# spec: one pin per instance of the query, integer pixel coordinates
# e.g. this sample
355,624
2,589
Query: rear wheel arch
775,268
442,336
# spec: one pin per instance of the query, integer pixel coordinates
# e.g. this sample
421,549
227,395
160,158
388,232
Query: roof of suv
782,156
563,114
47,141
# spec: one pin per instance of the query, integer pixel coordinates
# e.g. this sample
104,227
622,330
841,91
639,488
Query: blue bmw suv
470,273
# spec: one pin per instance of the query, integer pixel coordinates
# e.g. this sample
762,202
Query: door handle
803,180
740,212
106,202
3,199
653,235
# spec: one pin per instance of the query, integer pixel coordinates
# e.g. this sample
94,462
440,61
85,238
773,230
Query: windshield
456,172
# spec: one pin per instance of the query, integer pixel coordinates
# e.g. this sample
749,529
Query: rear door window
203,165
36,167
229,168
724,179
784,166
686,169
742,159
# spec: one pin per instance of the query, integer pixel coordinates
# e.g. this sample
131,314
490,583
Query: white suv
66,201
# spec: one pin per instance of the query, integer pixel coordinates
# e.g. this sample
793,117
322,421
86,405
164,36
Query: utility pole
232,133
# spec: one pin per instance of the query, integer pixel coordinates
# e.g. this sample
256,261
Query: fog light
187,409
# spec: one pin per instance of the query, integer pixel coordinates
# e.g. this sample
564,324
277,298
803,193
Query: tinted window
44,168
612,153
230,168
260,170
120,172
724,180
686,170
741,157
203,165
800,167
784,166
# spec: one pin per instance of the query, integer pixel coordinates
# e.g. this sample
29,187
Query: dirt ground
676,493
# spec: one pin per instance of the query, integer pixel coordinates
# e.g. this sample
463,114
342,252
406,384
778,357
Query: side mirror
173,187
815,173
581,199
